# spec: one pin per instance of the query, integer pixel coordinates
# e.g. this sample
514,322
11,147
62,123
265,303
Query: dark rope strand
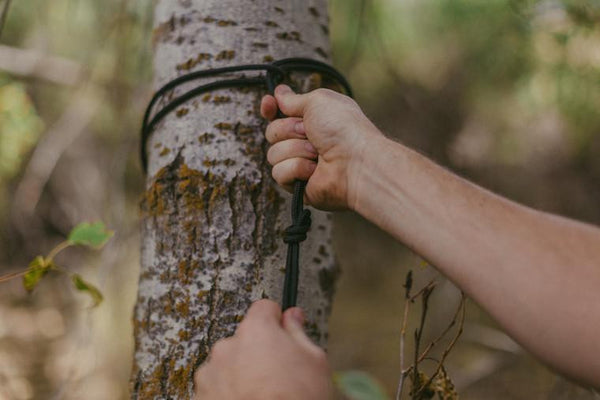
148,127
294,234
274,73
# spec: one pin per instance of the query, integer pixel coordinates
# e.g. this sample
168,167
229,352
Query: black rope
274,73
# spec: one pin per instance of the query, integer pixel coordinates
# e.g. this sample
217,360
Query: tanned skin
536,273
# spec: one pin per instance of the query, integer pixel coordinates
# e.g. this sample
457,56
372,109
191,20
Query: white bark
211,216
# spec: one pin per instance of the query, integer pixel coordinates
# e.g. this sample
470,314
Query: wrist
363,165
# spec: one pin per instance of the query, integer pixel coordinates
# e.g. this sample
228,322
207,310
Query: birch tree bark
211,215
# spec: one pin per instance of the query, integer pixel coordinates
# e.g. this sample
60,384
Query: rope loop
273,74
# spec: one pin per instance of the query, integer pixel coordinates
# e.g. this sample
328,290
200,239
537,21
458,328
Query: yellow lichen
225,55
182,111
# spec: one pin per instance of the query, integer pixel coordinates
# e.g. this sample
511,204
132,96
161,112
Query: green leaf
20,128
84,286
93,235
358,385
37,269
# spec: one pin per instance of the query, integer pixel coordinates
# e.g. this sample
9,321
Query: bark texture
211,215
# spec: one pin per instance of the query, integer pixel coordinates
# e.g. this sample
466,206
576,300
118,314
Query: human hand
321,125
269,357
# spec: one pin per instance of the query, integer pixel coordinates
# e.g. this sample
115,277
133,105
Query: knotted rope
274,73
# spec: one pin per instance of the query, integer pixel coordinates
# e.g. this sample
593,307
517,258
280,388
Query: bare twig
12,275
409,300
60,247
418,388
434,342
418,335
447,350
71,125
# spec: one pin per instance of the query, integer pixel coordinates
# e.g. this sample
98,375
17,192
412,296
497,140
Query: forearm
537,274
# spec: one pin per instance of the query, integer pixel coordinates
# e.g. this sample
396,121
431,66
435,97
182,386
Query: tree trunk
211,215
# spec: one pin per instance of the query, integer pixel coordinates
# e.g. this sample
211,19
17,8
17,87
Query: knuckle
321,93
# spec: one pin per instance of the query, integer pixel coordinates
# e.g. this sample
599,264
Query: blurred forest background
505,92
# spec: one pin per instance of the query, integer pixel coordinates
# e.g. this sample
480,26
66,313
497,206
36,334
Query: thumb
293,321
290,103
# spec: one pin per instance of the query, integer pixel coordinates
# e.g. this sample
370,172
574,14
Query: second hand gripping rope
274,73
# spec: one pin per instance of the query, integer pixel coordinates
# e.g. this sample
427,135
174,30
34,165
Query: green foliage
93,235
87,287
37,269
584,13
358,385
20,127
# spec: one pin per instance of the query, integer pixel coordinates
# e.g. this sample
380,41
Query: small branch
418,335
461,307
409,300
32,63
402,336
61,246
13,275
429,287
445,332
72,123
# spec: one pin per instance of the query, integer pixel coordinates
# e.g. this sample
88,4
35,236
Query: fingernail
298,316
299,128
310,148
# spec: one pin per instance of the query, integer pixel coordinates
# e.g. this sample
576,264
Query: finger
285,128
293,322
268,107
291,148
287,171
290,103
201,380
263,311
